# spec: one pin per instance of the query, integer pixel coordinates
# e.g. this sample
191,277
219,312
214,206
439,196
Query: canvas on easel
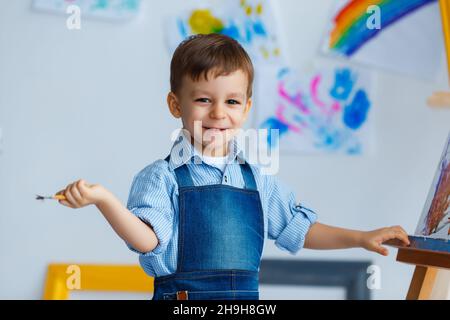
435,220
429,248
432,235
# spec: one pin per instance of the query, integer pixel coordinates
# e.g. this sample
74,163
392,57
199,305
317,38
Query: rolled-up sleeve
150,200
288,220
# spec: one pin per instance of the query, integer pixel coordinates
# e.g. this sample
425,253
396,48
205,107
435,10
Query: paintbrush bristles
57,197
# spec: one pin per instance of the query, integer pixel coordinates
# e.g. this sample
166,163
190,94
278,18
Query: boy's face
212,110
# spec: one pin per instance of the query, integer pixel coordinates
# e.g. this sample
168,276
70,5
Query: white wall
91,104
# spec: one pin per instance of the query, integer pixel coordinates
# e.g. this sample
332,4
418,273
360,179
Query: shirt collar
183,152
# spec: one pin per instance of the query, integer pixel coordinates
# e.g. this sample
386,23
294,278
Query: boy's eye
205,100
231,101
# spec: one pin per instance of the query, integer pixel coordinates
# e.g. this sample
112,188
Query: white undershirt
218,162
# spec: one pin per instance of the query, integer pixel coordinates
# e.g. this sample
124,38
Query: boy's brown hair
199,54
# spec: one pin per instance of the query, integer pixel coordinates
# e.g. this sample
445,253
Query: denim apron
220,241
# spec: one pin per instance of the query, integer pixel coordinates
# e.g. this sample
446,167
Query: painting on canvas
435,219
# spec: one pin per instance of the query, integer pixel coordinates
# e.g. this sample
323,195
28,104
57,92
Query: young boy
199,218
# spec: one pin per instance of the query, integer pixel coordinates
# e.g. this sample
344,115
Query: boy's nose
218,111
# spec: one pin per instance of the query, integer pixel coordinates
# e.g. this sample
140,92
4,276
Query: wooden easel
442,98
428,260
428,256
445,15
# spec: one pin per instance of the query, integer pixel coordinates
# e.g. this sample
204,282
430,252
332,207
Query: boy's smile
212,110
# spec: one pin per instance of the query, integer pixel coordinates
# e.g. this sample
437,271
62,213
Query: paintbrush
55,197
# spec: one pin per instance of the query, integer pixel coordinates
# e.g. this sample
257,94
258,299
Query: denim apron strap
183,175
248,176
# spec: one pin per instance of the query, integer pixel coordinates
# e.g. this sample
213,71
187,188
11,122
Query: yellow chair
128,278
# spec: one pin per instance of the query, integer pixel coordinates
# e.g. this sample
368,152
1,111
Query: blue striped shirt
154,199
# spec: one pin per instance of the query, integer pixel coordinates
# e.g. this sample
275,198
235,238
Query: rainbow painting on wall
350,30
324,111
251,22
407,39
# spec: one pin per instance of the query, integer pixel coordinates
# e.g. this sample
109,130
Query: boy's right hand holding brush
80,194
128,226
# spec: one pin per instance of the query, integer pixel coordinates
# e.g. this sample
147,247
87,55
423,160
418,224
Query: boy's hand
372,240
80,194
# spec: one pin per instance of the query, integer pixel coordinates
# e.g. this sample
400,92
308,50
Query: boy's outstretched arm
129,227
321,236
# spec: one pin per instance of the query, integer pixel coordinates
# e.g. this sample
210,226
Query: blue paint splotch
259,29
100,4
131,5
181,28
355,149
274,123
328,138
232,31
248,31
282,73
355,114
343,84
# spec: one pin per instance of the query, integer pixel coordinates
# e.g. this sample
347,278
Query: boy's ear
174,105
248,106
